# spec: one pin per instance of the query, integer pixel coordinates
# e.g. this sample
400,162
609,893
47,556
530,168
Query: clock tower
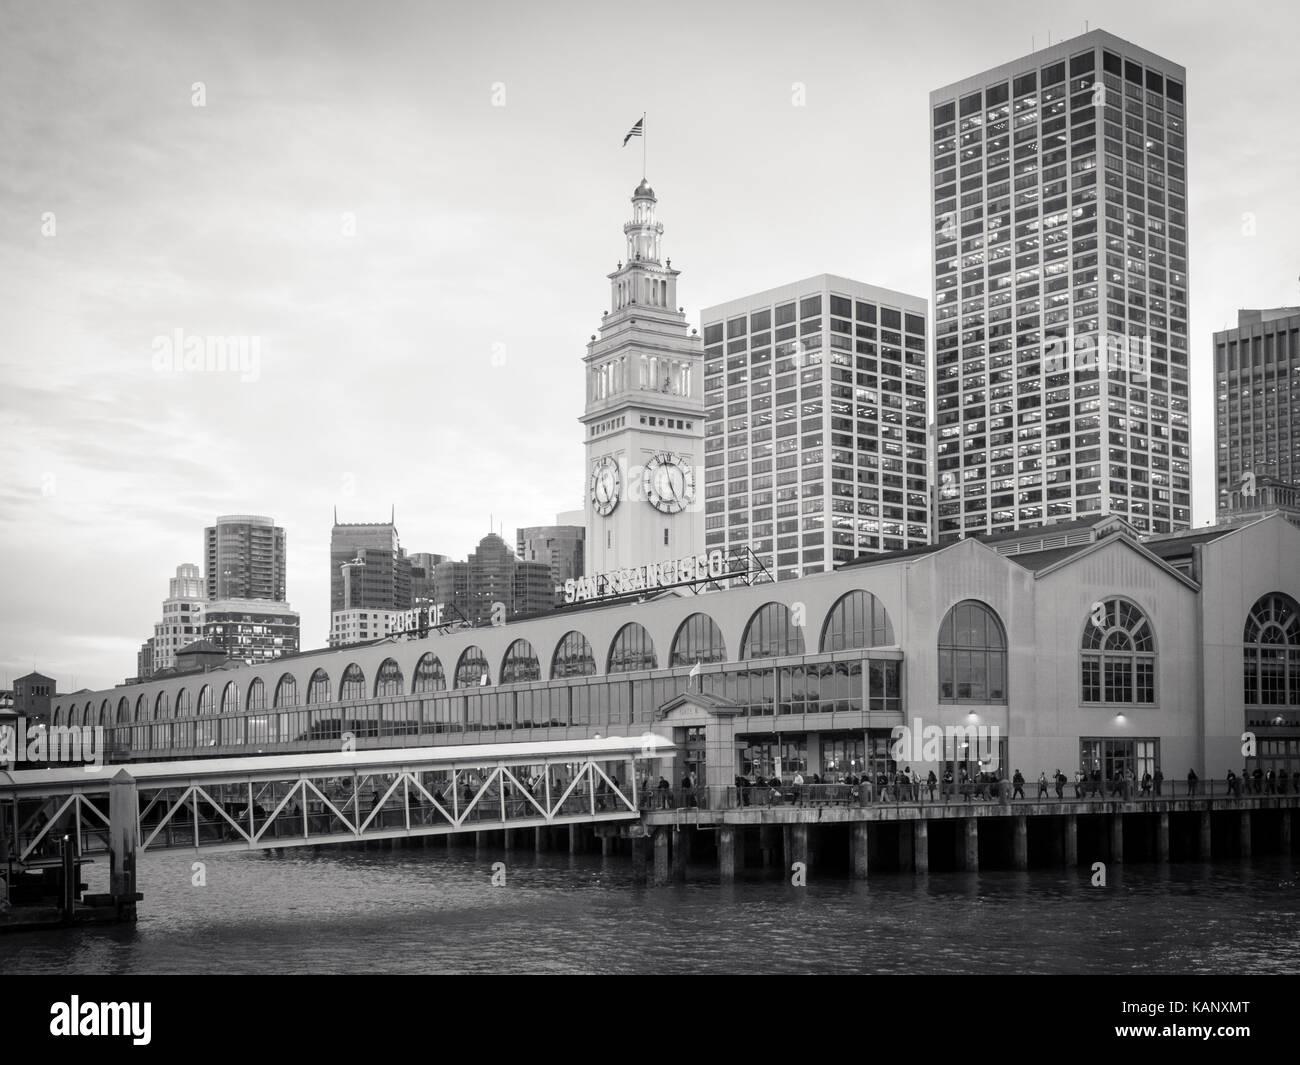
644,419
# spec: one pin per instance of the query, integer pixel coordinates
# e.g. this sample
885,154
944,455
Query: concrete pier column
539,839
1117,837
1070,841
606,846
1245,833
727,853
1020,842
859,849
508,839
969,838
740,849
661,843
681,851
575,839
921,846
905,847
1205,849
796,845
123,811
1284,831
767,841
1162,837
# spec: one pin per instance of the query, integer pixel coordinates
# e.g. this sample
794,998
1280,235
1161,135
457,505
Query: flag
635,131
695,671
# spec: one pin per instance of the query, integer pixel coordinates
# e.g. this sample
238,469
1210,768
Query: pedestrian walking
1042,784
1019,781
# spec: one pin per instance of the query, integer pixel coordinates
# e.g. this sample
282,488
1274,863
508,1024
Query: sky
407,210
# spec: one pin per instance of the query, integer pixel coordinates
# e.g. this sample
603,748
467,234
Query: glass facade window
472,668
353,685
230,698
1272,652
573,657
771,633
698,639
1118,655
858,619
632,650
318,690
520,664
428,674
389,679
972,655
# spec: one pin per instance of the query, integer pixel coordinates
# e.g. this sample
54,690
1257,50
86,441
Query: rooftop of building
833,283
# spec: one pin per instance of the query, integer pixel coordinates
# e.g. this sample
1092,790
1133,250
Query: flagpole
643,145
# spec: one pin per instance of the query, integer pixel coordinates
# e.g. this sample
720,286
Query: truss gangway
273,801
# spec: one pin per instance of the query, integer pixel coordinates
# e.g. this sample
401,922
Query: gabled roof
1066,556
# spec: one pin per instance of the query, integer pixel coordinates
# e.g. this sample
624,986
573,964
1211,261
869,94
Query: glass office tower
1060,291
815,436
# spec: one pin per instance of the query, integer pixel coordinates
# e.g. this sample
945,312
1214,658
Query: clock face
605,485
669,483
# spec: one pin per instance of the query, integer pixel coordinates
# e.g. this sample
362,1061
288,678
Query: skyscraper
1060,291
1257,408
251,630
559,546
182,621
380,579
245,557
644,418
815,445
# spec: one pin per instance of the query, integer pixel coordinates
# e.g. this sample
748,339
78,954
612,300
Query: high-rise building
451,587
251,630
1257,410
815,446
144,660
182,621
422,567
245,555
378,573
561,547
644,417
1060,291
501,587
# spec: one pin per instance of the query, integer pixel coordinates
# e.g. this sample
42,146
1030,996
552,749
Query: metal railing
767,796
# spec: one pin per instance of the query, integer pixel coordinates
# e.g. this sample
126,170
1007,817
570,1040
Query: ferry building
1084,644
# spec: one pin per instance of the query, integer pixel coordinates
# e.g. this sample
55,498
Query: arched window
353,685
105,713
161,707
123,710
472,668
389,679
698,639
256,699
1118,659
205,700
972,655
772,632
1272,652
141,709
632,649
286,692
183,707
573,657
520,664
857,619
428,674
87,712
318,688
230,699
